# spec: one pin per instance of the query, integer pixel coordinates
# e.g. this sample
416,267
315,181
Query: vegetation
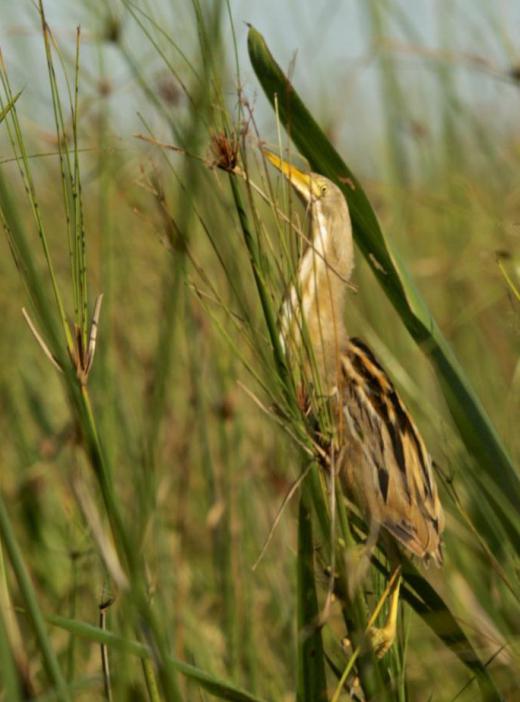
169,526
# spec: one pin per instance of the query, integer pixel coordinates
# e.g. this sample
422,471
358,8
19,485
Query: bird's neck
313,310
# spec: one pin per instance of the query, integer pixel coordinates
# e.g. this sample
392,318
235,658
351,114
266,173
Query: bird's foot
381,639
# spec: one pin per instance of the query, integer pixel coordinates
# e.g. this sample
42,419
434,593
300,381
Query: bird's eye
323,189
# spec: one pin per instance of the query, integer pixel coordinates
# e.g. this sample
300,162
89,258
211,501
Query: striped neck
312,314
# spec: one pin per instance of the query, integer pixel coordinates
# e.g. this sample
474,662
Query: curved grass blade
7,108
218,688
312,683
474,427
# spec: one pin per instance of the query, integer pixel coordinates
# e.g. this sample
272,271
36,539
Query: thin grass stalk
312,683
354,606
50,661
8,671
137,13
130,559
172,303
151,680
110,397
218,491
247,554
80,238
18,146
105,663
13,670
71,177
358,650
71,648
393,104
200,101
4,111
69,196
104,477
425,601
21,254
230,441
279,358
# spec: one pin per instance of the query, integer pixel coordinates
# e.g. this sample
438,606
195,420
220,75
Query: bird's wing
392,478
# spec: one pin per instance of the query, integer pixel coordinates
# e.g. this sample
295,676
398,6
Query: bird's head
314,190
315,300
330,218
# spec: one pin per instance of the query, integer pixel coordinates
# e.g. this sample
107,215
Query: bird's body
383,462
385,466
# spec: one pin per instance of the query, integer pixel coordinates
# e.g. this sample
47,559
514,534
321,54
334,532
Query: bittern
383,463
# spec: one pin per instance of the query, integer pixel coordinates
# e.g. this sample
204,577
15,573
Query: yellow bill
302,182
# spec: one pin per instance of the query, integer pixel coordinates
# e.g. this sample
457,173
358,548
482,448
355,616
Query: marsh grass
150,489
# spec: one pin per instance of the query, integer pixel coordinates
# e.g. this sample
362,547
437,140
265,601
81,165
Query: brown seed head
225,151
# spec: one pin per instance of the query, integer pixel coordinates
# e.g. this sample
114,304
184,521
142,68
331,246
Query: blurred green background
421,99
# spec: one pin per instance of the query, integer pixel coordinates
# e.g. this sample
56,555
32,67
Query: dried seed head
225,151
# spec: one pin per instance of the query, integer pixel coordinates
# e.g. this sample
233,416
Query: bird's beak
302,182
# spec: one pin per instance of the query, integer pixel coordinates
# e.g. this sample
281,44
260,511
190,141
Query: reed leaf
220,689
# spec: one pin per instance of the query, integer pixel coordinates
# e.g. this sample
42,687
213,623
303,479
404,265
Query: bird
383,464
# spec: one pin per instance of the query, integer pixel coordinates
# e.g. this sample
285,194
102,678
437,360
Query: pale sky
328,43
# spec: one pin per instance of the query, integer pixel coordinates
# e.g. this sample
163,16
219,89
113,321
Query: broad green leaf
312,683
468,414
216,687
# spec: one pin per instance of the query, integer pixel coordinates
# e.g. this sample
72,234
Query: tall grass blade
312,683
8,673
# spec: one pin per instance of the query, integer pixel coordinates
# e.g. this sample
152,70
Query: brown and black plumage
384,465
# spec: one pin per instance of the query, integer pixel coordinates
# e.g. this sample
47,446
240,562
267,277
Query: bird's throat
312,316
